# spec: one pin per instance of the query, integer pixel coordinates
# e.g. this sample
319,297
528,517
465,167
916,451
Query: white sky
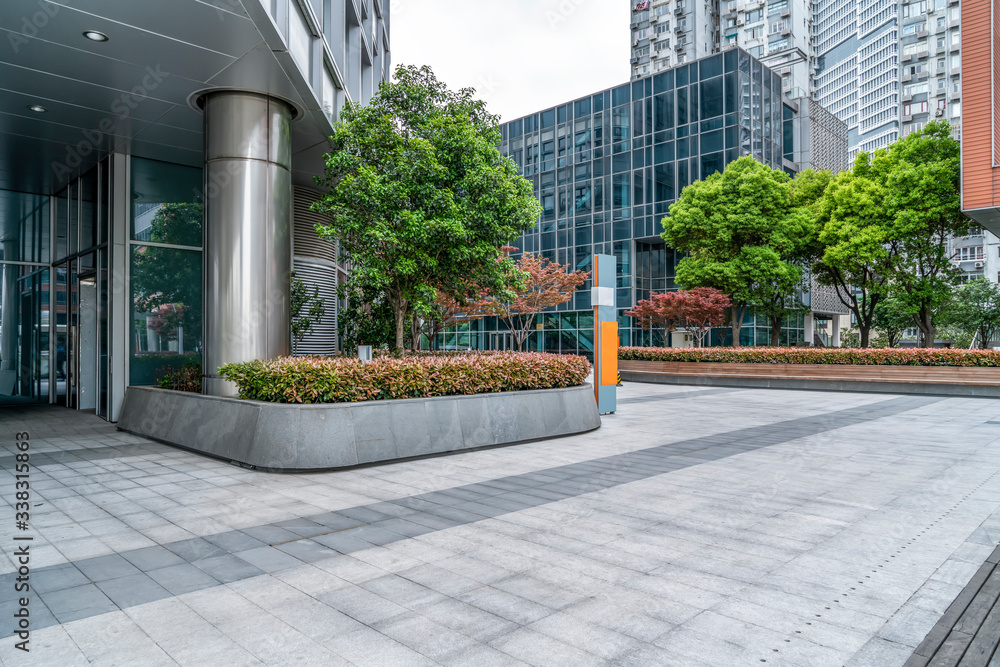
520,55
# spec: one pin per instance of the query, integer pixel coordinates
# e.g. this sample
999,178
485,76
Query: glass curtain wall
25,308
79,319
165,272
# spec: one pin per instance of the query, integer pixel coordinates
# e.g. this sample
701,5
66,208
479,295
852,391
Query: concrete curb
279,437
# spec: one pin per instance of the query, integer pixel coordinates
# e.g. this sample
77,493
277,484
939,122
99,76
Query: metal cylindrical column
247,250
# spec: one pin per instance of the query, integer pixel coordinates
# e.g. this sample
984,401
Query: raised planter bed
942,380
280,437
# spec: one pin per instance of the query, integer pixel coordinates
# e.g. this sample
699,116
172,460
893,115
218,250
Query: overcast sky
520,55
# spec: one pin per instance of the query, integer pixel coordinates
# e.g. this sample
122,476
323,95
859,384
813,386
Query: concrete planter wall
937,380
286,438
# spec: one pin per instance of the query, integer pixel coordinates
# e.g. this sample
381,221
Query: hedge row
816,355
346,380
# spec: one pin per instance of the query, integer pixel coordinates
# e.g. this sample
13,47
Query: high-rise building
156,171
884,67
889,67
667,33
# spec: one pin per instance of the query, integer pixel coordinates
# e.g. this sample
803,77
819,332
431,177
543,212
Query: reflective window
166,282
166,203
166,311
24,227
712,98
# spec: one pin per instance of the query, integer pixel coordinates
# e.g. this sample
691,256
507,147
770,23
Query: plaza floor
695,527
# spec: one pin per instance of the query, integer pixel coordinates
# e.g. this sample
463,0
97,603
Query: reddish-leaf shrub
816,355
346,380
185,378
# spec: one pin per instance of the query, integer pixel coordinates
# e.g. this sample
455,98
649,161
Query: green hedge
816,355
346,380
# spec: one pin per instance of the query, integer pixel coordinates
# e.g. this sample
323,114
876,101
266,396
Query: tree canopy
976,309
699,310
541,284
884,225
857,252
922,197
744,236
420,197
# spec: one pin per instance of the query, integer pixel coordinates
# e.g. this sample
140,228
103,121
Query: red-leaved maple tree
445,311
543,284
697,310
704,308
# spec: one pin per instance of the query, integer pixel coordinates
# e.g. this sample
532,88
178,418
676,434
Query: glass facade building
606,167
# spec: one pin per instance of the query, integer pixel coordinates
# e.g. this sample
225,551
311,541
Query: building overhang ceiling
133,92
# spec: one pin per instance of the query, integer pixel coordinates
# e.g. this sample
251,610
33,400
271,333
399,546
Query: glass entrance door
78,334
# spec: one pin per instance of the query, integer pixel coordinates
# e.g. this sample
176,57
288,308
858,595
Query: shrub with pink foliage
346,380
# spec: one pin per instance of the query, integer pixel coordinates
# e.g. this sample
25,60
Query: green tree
365,318
420,197
856,251
891,318
921,173
743,236
975,310
306,309
808,187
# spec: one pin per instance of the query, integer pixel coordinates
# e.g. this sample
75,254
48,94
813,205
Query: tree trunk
775,331
737,324
400,313
865,334
927,328
414,332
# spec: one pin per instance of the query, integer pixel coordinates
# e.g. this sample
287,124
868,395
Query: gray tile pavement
696,526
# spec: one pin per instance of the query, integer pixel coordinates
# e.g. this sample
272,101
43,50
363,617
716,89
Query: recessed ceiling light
95,36
37,108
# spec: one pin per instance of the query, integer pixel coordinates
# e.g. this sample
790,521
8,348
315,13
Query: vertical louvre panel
315,263
322,339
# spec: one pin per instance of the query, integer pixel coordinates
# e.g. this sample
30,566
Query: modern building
885,68
156,171
607,166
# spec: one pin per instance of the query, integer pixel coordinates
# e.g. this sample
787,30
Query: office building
156,169
607,166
